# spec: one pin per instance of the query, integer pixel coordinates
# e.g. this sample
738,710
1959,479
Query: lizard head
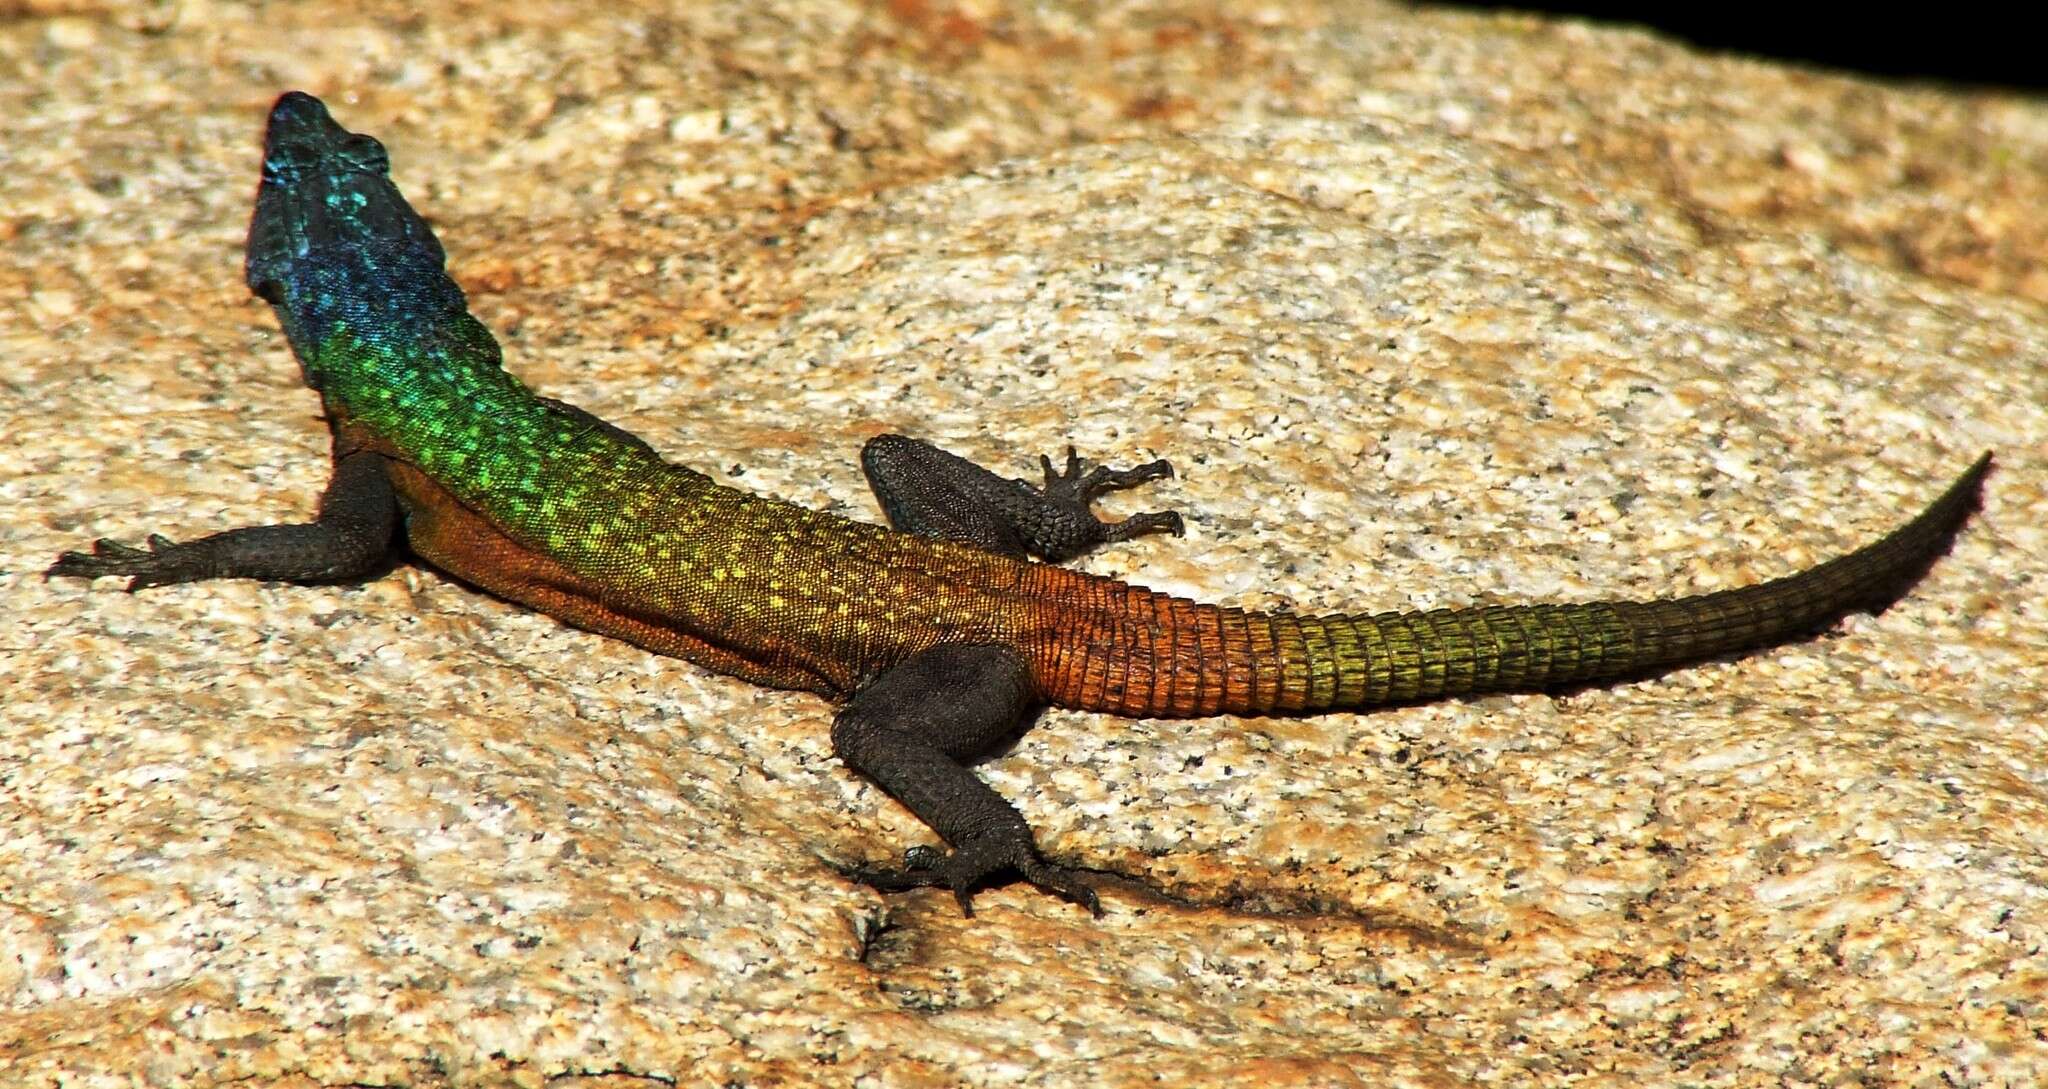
332,241
326,191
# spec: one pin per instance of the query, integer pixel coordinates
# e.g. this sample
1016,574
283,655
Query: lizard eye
271,291
367,153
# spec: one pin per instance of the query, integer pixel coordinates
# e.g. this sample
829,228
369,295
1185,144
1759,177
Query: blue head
333,243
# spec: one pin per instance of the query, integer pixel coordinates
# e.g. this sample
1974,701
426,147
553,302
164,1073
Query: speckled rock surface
1428,310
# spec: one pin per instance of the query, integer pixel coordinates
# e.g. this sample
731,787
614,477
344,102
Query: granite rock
1428,310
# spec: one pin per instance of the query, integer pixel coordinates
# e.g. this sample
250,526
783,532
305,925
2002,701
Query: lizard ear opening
269,291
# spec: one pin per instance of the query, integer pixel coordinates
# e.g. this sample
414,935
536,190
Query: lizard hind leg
910,729
929,492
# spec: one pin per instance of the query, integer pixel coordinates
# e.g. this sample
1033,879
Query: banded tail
1152,655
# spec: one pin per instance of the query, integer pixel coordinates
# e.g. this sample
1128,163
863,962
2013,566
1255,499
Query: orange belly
459,541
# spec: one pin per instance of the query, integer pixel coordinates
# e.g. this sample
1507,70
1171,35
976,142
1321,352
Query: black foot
162,564
1081,484
968,869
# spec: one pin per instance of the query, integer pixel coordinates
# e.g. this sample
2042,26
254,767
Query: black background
1976,44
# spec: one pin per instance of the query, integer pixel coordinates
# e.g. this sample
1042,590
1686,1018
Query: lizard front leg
909,731
931,493
352,534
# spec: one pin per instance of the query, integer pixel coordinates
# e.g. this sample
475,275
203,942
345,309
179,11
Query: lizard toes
924,866
108,557
1063,883
1138,525
963,872
894,880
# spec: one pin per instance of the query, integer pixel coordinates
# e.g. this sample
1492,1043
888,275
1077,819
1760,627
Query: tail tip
1979,467
1968,490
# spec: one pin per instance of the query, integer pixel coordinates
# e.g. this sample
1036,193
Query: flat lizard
939,639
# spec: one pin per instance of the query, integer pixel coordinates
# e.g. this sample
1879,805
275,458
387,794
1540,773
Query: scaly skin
543,504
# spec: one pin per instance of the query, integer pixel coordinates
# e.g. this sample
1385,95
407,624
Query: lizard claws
965,872
154,566
1085,482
